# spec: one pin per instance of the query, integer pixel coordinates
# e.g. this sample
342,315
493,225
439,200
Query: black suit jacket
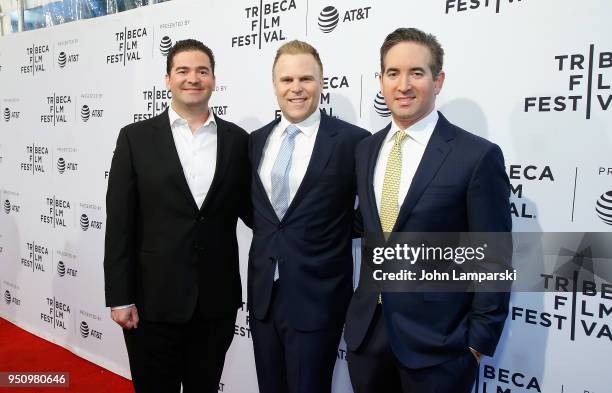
460,186
313,240
162,251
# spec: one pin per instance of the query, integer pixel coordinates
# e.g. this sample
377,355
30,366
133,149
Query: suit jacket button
201,218
280,227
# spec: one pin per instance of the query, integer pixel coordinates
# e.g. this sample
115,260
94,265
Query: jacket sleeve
120,238
488,208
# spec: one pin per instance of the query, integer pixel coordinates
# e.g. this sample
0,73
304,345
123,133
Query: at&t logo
11,299
329,17
7,206
87,332
603,207
7,114
63,59
380,106
61,269
87,113
86,223
165,45
10,207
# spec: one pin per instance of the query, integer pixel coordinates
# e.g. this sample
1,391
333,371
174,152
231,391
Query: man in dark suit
423,174
178,182
300,263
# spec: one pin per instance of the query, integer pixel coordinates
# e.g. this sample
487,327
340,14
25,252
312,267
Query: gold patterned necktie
389,204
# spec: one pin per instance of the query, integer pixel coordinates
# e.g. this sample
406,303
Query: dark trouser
291,361
374,368
164,355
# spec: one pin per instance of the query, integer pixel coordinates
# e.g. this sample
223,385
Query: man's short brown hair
411,34
297,47
189,45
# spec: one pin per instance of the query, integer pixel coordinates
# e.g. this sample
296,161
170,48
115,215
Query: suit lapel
323,148
435,153
373,152
259,143
167,153
224,147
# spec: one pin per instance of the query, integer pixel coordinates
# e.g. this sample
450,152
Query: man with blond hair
300,263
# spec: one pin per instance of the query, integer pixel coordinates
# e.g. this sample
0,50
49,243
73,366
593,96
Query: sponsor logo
380,106
330,17
7,297
85,113
7,114
165,45
84,222
7,206
61,165
603,207
61,59
84,329
61,269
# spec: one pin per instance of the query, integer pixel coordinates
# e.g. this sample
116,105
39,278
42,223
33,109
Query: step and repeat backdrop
533,76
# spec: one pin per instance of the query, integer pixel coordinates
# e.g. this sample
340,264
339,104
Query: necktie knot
292,131
400,136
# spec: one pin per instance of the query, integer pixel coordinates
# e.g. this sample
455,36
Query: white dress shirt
304,144
198,155
197,152
412,148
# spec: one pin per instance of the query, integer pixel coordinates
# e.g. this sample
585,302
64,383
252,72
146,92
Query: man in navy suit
300,263
423,174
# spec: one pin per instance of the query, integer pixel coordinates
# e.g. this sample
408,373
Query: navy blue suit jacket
312,242
459,186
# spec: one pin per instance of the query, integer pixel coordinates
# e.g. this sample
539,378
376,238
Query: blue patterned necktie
280,172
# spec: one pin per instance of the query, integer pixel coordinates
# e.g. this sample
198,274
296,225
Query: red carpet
22,351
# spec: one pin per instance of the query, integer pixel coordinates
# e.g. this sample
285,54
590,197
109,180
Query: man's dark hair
411,34
189,45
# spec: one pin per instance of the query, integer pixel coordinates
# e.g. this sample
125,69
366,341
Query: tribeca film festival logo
265,23
35,257
9,206
65,266
583,69
525,173
329,17
36,157
587,314
472,5
36,56
156,101
90,217
502,380
58,105
129,44
56,213
603,207
58,313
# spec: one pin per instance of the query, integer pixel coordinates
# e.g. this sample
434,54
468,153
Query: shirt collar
175,117
308,126
420,131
